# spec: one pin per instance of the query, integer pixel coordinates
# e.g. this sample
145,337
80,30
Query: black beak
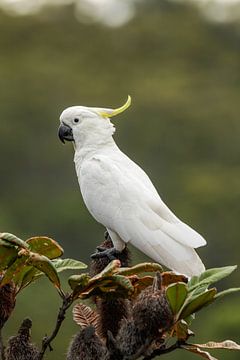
65,133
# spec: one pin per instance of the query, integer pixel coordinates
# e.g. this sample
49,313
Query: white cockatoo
119,194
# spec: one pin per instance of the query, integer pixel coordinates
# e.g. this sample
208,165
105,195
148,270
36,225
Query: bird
120,195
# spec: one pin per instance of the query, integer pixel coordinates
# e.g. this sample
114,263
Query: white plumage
119,194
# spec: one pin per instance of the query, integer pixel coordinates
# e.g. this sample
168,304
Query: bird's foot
103,252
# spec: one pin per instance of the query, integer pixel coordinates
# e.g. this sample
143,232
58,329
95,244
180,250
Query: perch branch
46,343
161,351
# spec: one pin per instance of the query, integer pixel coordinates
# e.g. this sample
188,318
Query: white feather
120,195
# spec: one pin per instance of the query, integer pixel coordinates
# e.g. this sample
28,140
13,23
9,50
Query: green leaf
8,254
176,295
78,282
68,264
60,265
14,240
123,282
15,272
31,274
197,351
43,264
210,276
116,285
226,292
45,246
190,319
110,269
227,344
198,303
140,268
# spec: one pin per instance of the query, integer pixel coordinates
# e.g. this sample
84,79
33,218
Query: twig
161,351
2,354
46,342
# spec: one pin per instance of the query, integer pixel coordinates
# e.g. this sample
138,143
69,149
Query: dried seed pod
7,303
151,315
86,345
151,310
130,339
19,347
111,312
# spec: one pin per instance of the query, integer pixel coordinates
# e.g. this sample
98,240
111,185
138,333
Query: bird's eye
76,120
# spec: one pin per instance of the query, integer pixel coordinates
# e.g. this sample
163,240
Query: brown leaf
170,277
194,349
140,283
227,344
84,316
140,268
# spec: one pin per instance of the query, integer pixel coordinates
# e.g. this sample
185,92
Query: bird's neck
90,149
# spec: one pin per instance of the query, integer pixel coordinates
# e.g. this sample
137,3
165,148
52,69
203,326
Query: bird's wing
121,196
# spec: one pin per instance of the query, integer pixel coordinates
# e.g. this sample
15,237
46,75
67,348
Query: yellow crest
112,112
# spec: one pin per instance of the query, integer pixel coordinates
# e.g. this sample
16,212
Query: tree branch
161,351
46,342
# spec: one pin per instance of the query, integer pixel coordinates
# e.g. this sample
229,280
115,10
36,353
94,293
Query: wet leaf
14,240
210,276
176,295
227,344
140,268
198,303
45,246
43,264
198,351
68,264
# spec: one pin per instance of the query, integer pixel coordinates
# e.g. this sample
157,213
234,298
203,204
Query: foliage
161,305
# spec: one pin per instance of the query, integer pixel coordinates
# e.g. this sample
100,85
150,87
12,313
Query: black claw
100,248
109,253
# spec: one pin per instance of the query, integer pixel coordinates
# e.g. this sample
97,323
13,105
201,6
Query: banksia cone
86,345
19,347
7,302
151,315
111,310
151,311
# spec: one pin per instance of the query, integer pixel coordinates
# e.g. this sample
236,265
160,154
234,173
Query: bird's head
85,125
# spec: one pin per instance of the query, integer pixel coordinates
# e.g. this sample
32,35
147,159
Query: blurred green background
182,69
